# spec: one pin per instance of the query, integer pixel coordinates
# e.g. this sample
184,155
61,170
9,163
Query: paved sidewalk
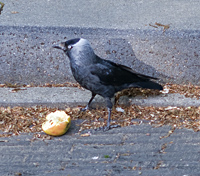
133,150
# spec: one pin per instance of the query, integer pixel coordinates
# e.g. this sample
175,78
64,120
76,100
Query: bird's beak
60,46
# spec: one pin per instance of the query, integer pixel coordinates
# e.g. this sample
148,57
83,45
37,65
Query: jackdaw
100,76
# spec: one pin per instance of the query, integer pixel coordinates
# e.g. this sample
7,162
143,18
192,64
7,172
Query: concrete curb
63,97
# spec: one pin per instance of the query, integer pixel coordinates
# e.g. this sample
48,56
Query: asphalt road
126,34
182,15
122,31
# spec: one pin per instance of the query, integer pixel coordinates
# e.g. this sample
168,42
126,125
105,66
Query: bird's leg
87,106
109,118
109,106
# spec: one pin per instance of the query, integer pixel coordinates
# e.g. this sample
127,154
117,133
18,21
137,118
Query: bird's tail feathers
148,85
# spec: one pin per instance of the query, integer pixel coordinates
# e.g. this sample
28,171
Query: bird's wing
134,72
110,73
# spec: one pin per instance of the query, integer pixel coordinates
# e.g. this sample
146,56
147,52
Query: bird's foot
84,109
106,128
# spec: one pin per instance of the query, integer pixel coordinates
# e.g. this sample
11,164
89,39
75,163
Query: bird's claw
114,126
106,128
83,109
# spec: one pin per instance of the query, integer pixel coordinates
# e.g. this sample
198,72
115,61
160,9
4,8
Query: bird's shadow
134,92
121,51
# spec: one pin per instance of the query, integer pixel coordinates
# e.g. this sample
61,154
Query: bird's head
77,49
68,45
77,43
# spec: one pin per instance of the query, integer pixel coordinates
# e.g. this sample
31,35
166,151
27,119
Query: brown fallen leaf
163,25
14,12
1,6
17,89
153,26
85,134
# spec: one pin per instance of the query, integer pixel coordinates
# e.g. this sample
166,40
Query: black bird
102,77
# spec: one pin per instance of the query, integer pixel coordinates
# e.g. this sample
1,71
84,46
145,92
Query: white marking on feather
82,52
81,42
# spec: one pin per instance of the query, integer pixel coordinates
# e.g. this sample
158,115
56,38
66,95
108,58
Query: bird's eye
69,47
